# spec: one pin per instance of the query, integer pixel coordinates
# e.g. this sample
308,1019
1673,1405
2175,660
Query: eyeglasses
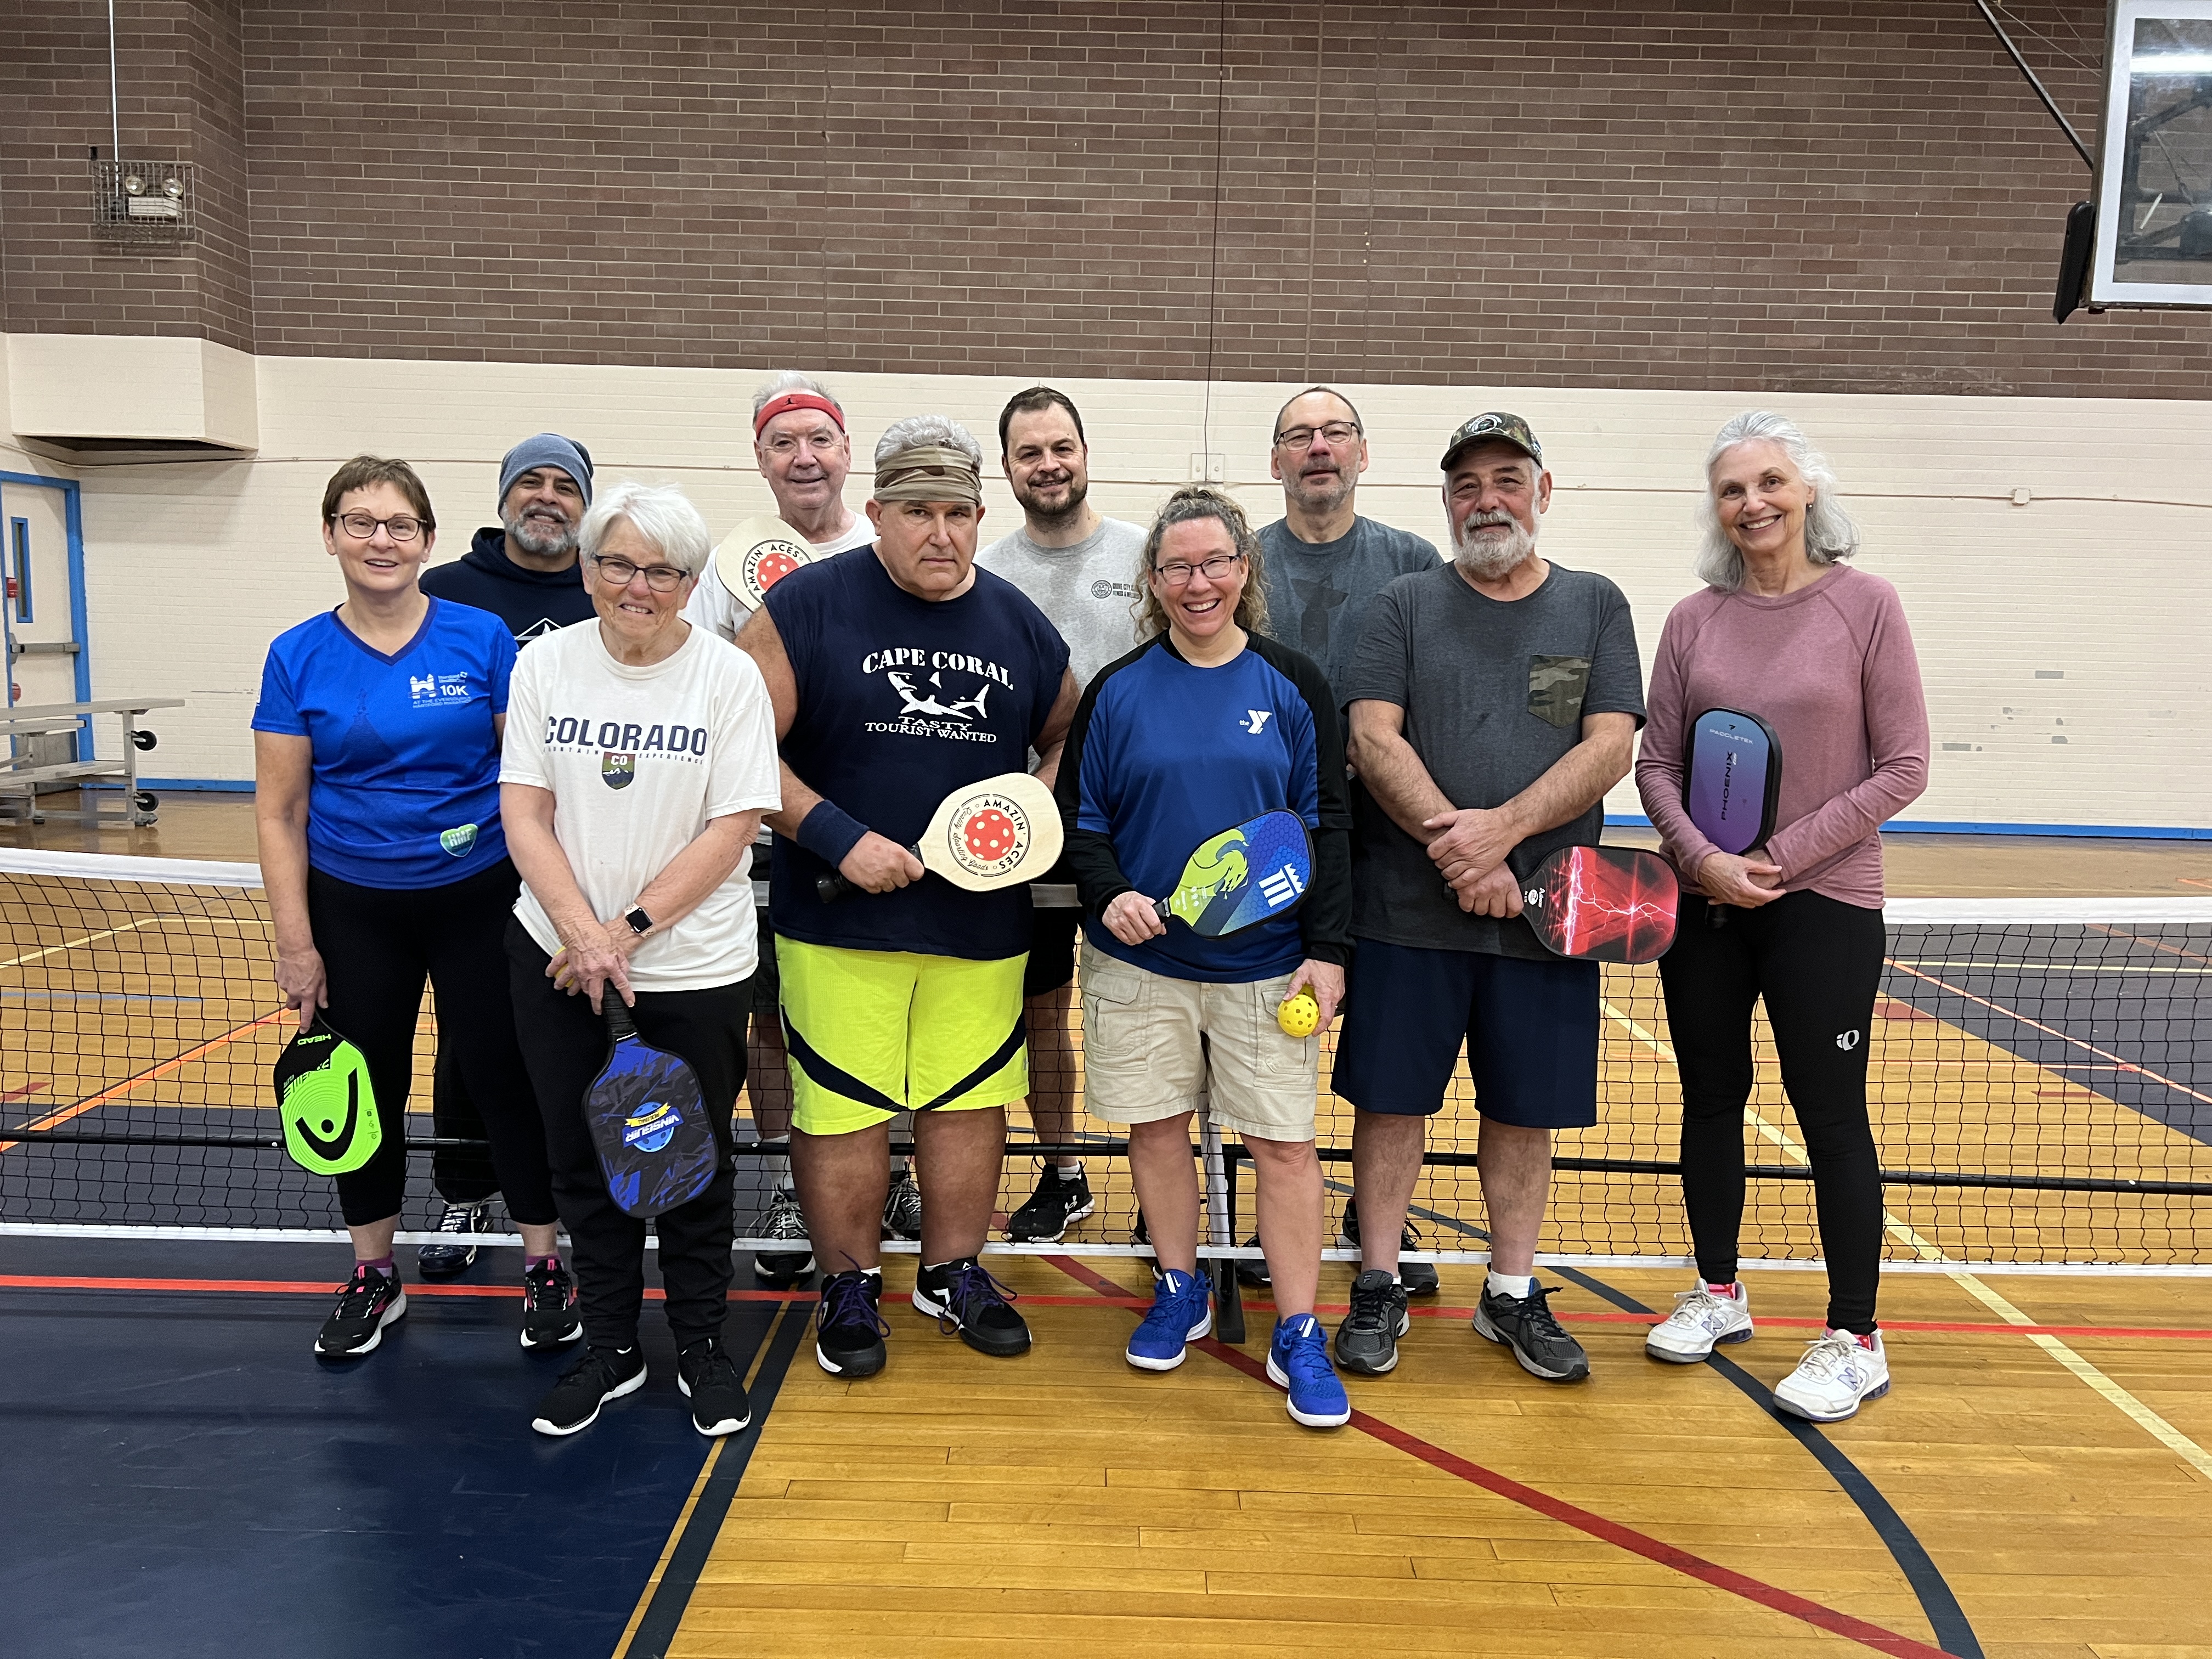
661,578
400,526
1336,434
1178,574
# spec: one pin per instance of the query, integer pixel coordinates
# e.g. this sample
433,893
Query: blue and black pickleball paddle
1732,783
327,1102
1250,872
648,1120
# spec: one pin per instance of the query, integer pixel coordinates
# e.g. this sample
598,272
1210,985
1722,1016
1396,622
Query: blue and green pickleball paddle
1250,872
327,1102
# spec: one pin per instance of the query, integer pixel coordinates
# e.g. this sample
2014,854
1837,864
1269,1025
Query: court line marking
89,939
662,1620
2124,1064
1122,1299
1587,1522
2155,944
55,1119
2113,1394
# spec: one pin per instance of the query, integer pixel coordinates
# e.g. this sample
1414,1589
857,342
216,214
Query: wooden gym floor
2037,1483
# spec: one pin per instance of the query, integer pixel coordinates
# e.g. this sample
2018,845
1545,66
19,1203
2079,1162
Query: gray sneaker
1367,1341
782,1218
1525,1325
903,1208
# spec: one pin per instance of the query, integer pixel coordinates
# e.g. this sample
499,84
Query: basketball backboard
2153,240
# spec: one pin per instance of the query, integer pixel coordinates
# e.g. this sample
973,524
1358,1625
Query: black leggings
378,944
566,1044
1817,962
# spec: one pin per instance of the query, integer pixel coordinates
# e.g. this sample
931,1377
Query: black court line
657,1629
1938,1604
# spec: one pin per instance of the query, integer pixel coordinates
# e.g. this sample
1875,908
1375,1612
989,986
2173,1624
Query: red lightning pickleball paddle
1603,903
983,837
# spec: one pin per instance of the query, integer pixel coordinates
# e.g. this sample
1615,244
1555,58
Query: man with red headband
801,447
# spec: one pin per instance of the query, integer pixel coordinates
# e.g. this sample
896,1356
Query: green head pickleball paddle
331,1126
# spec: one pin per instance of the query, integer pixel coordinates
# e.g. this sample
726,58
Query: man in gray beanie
523,570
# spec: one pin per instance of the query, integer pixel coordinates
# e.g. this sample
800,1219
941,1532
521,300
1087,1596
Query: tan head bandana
929,472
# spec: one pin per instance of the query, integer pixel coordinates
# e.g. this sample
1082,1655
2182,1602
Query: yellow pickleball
1298,1015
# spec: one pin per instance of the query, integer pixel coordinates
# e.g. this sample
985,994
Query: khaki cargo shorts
1154,1047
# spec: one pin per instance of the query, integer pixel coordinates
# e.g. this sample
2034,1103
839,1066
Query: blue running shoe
1182,1311
1298,1360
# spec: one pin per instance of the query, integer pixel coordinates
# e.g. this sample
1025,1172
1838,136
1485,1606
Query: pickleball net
2040,1080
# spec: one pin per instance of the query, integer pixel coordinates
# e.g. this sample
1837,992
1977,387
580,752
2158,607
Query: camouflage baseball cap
1495,427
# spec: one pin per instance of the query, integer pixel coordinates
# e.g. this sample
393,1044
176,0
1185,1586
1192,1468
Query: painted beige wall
2062,639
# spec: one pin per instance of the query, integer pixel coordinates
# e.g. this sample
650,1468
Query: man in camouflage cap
1493,702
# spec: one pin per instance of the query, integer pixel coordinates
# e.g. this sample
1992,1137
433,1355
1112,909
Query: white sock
1069,1171
898,1168
1517,1286
779,1171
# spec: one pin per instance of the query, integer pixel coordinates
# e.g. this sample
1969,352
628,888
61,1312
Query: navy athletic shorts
1052,950
1530,1028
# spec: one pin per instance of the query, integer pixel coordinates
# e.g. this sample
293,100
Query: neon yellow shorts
875,1033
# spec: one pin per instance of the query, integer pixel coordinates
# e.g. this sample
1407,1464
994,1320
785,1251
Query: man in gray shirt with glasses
1325,564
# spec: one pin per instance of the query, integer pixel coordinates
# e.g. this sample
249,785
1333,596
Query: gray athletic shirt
1089,591
1319,592
1494,693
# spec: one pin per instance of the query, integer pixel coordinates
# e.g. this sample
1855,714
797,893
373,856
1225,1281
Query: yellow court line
2113,1394
698,1488
71,944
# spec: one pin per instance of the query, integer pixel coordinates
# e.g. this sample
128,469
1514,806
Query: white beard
1487,561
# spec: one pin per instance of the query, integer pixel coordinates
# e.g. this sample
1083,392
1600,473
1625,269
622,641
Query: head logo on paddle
648,1121
986,836
1250,872
1603,903
756,556
327,1102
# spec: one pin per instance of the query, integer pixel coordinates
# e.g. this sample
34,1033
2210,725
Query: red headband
784,404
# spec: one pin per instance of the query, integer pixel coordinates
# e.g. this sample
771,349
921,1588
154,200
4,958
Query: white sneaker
1834,1376
1700,1319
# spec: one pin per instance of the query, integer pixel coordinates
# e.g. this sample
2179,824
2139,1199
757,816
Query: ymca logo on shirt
429,691
941,694
1255,719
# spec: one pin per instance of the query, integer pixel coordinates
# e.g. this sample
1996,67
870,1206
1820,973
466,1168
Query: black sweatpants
461,1175
378,946
566,1044
1817,962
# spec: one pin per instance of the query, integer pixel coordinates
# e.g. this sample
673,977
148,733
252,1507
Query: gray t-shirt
1088,591
1494,693
1319,592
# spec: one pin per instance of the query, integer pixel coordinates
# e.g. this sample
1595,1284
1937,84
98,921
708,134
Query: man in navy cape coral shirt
901,672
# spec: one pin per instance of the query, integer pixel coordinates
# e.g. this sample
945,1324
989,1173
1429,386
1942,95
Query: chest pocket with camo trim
1556,688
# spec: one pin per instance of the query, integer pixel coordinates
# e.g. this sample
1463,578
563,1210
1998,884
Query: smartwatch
639,923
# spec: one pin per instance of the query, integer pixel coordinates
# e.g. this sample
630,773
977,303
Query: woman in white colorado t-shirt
639,757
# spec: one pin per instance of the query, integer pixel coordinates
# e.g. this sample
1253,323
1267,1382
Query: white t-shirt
714,608
638,760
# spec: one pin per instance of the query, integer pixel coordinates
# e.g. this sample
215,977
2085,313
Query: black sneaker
366,1303
1059,1202
1253,1270
1367,1341
965,1297
1525,1325
549,1306
1419,1278
451,1261
848,1332
602,1374
782,1269
710,1380
903,1208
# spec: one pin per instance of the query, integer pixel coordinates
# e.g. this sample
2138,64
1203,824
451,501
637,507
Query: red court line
324,1287
54,1120
1584,1520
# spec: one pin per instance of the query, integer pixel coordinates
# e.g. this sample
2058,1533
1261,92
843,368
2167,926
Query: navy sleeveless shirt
901,702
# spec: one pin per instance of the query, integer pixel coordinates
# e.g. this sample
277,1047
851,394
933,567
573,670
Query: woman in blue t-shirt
1206,725
376,748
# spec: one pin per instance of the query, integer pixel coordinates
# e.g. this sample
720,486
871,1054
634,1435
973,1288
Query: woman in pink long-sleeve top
1820,651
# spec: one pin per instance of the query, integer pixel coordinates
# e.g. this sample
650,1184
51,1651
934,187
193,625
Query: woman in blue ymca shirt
376,750
1206,725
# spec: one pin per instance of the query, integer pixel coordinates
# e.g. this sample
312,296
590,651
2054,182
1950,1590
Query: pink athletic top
1830,668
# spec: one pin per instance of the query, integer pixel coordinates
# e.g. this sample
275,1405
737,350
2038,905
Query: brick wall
1827,194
